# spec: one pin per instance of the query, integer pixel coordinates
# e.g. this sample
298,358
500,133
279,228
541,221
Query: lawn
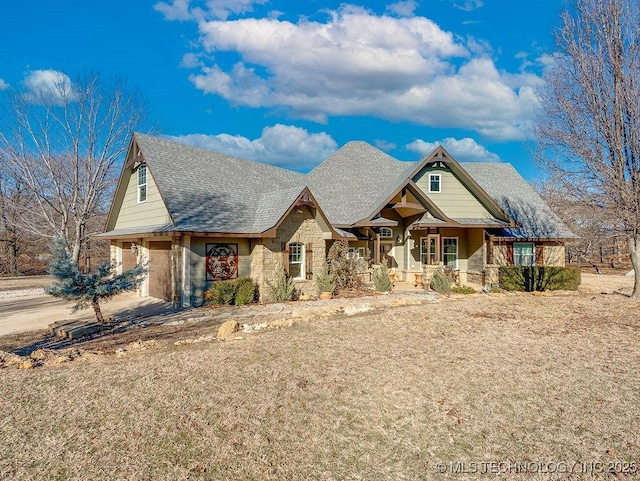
511,381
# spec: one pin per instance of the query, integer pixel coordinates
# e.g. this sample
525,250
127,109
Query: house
199,216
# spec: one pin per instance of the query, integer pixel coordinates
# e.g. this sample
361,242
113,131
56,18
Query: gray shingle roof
211,192
354,181
519,200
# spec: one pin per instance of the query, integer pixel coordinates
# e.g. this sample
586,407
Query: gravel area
21,293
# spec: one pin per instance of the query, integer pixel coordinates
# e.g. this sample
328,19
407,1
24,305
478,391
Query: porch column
186,271
176,270
376,248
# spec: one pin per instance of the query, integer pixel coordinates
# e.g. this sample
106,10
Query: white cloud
359,63
197,10
283,145
176,10
403,8
3,85
191,60
49,87
469,5
384,145
463,150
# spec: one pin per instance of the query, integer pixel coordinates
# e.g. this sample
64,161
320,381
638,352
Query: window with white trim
524,254
450,251
296,260
356,252
386,233
435,183
142,183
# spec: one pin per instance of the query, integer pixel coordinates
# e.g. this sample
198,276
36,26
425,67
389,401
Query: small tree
344,269
381,278
324,280
282,288
88,289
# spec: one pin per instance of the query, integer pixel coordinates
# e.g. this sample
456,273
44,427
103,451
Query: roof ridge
155,138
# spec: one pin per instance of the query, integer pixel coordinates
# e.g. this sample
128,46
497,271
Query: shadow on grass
137,317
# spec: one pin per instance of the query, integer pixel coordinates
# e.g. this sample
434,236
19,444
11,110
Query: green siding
197,260
454,199
134,214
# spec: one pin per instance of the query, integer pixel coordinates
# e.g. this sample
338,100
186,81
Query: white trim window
356,253
142,183
450,251
386,233
296,260
524,254
435,183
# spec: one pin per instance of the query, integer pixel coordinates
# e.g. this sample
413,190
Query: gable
127,212
454,198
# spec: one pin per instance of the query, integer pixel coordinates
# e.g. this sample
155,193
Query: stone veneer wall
554,255
299,226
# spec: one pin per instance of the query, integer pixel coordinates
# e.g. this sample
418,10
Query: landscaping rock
227,329
8,359
43,355
357,309
27,364
282,323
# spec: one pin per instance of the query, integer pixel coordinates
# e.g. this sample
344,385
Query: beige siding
476,250
470,248
198,257
134,214
454,199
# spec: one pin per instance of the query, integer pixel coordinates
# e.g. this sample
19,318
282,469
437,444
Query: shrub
233,292
343,268
381,278
324,280
282,288
247,292
539,278
440,282
463,290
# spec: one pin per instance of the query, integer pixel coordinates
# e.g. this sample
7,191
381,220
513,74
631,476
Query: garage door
128,257
160,270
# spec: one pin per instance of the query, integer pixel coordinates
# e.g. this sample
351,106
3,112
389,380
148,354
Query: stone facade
300,226
554,255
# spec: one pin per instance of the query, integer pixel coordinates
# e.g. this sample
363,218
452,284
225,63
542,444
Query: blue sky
289,82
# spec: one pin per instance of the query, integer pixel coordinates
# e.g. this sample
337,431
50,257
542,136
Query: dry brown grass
382,395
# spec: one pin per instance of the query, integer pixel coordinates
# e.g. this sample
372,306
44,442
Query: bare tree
589,130
586,217
62,142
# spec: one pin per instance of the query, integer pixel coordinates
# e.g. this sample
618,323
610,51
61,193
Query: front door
430,250
386,252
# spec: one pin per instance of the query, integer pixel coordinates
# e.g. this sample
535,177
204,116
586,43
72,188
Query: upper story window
435,183
142,183
296,260
386,233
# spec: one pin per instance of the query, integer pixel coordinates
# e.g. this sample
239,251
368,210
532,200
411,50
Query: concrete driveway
26,313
